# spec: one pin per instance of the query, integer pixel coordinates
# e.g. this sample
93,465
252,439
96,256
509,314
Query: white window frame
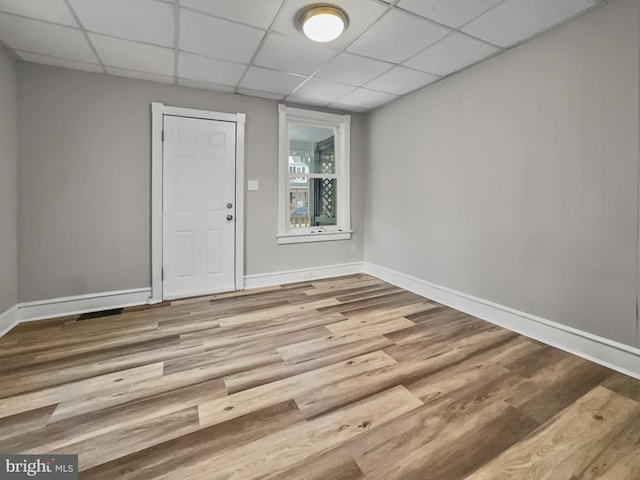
341,125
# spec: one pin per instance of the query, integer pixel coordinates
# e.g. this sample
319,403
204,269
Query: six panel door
198,206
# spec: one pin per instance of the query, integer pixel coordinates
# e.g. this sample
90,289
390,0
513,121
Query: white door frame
158,111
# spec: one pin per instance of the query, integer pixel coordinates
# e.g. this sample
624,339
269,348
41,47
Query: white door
198,251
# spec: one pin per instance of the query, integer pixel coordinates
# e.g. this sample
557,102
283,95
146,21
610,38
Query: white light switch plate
253,185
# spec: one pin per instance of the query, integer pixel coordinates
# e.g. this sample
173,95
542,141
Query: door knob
229,218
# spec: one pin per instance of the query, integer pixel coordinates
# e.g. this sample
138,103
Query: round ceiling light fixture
323,23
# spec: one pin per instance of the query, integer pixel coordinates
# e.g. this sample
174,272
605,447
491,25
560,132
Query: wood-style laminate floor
347,378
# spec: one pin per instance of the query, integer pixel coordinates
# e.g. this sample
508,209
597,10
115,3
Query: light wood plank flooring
346,378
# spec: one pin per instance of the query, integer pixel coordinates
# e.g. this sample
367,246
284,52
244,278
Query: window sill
289,238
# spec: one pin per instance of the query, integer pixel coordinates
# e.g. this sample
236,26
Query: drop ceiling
253,47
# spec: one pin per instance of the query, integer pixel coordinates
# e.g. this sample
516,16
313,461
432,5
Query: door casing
158,110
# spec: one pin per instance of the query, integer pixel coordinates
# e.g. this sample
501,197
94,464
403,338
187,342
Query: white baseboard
59,307
8,319
609,353
301,275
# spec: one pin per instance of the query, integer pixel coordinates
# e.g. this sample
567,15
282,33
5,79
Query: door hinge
162,274
162,135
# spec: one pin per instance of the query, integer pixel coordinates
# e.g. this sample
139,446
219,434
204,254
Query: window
314,176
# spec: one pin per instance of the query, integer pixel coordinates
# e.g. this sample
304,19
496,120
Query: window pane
312,147
299,206
299,211
298,182
314,204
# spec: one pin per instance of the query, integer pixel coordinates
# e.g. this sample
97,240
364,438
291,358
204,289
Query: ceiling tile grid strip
254,47
176,39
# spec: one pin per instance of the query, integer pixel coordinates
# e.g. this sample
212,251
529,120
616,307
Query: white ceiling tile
397,36
323,91
348,108
400,80
516,20
361,13
352,69
305,101
59,62
260,94
55,11
291,55
210,70
45,38
451,54
185,82
217,38
269,81
116,52
365,98
450,12
123,72
259,14
143,20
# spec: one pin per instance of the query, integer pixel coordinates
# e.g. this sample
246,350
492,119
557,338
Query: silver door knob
229,218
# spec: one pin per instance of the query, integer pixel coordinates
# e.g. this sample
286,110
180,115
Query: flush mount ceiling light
323,23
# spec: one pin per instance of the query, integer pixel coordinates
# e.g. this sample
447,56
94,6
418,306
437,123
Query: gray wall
8,183
84,182
516,181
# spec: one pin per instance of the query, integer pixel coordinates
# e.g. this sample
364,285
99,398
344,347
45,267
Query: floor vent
100,314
